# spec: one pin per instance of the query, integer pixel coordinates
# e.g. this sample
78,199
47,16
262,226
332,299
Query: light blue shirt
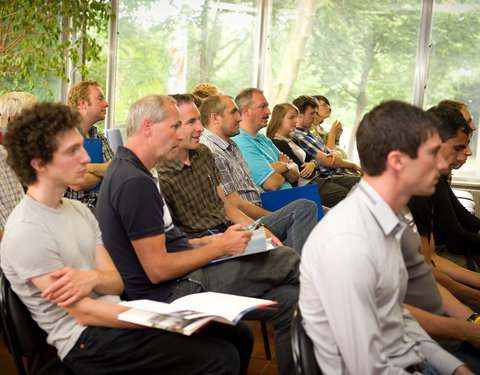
353,282
259,152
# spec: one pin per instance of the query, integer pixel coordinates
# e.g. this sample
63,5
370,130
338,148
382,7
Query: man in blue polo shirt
270,169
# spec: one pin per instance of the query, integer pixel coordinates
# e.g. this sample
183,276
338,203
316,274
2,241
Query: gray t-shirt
38,240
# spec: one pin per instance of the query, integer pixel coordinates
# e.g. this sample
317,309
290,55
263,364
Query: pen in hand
254,224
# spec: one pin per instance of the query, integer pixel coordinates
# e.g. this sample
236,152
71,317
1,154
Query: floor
258,364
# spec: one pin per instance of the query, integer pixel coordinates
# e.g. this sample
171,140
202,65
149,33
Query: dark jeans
217,349
293,223
271,275
333,189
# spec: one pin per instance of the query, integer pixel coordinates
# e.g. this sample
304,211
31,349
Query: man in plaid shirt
87,98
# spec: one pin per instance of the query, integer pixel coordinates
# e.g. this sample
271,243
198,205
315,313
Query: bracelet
474,318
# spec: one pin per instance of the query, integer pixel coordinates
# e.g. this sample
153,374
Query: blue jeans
293,223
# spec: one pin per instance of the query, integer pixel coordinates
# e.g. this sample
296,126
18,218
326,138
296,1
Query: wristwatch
474,318
287,166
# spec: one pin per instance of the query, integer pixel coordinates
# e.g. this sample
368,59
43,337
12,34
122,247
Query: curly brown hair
34,135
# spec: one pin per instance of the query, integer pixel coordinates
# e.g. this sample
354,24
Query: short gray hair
150,107
12,103
245,97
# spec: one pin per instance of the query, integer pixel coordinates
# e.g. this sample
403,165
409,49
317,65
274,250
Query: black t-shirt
129,208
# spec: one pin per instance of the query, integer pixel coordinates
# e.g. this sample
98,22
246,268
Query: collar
127,154
390,223
177,164
282,138
211,136
302,130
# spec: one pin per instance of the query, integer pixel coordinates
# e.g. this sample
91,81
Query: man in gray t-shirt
53,256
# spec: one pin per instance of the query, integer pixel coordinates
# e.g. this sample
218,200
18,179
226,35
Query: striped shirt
234,168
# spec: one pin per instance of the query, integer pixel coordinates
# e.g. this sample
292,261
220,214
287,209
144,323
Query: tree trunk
371,42
294,49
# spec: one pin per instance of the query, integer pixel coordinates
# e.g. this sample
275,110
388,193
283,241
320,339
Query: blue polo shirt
259,152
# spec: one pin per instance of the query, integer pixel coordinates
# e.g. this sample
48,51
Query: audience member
11,190
455,222
360,239
53,256
425,301
221,118
208,88
156,260
87,98
332,137
191,187
270,169
332,189
330,161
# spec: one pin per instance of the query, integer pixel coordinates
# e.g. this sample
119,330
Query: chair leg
266,344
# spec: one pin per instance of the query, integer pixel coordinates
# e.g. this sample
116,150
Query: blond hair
12,103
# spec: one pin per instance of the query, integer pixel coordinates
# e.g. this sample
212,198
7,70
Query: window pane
357,53
170,46
454,71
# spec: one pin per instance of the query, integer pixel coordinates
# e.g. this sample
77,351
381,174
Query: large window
169,46
357,54
454,65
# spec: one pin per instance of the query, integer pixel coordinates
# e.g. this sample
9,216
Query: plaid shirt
11,191
312,146
89,198
190,192
231,163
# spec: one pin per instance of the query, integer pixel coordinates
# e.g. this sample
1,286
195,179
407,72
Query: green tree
31,43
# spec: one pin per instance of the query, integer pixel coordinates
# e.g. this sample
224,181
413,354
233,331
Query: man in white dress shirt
353,278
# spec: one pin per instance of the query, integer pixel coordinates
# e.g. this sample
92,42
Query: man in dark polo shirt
156,260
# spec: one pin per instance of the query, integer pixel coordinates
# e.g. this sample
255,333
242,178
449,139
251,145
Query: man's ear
147,127
397,160
82,104
37,164
214,117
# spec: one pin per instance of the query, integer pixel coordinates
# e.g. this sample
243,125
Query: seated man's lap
150,351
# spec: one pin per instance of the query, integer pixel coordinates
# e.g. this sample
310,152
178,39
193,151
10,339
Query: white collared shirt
352,285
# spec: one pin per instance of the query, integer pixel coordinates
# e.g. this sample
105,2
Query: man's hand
336,129
284,158
275,240
235,239
307,169
70,286
462,370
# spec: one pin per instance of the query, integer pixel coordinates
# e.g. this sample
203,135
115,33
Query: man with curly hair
54,258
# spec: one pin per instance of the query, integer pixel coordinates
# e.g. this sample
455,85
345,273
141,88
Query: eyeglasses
324,105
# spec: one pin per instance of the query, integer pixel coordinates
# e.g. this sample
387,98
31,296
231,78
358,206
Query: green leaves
35,41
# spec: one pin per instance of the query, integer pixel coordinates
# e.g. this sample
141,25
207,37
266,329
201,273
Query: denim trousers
293,223
272,275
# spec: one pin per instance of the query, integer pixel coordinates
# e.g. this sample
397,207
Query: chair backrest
302,347
114,138
24,337
274,200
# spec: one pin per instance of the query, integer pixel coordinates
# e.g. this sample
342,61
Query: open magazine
259,243
188,314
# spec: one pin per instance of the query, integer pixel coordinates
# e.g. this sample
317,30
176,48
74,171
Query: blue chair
114,138
274,200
